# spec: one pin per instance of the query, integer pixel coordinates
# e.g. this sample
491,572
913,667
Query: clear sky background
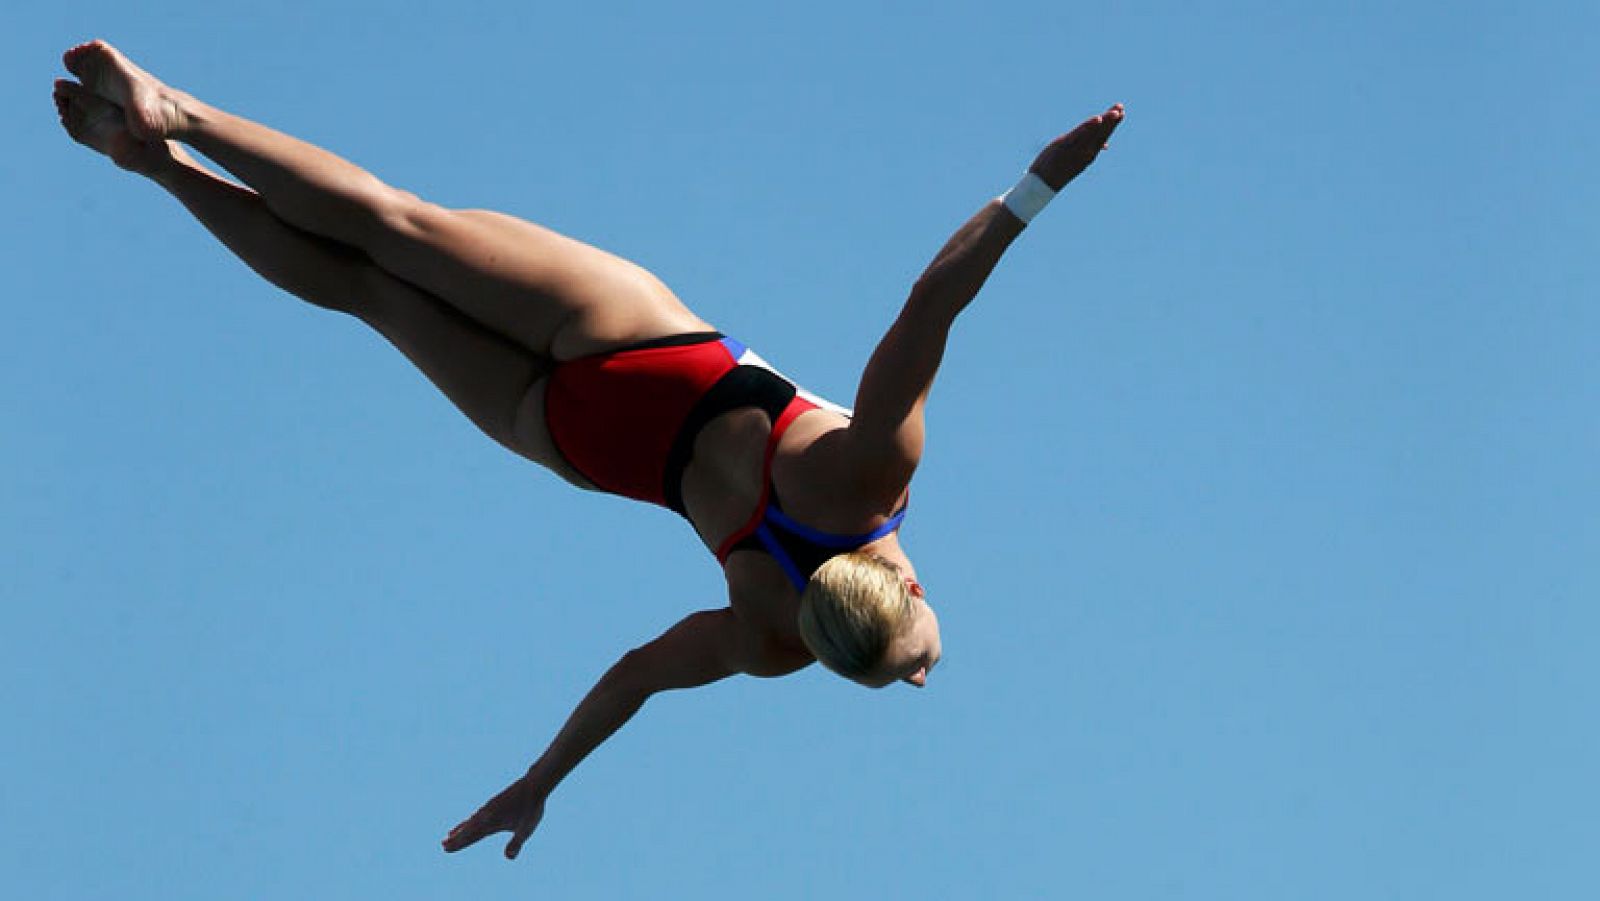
1259,507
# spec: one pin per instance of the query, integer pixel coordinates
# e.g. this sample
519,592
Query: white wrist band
1028,197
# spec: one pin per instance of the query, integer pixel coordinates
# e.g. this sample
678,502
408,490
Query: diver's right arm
702,648
884,442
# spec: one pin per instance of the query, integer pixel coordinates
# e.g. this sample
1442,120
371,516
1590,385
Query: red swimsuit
627,421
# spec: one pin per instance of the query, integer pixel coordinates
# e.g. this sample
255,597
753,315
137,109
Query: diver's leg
550,293
497,383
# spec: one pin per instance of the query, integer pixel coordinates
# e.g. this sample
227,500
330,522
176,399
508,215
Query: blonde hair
853,605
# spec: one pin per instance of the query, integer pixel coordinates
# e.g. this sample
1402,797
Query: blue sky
1259,507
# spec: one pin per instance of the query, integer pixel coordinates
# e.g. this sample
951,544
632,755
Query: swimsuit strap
799,549
781,519
780,425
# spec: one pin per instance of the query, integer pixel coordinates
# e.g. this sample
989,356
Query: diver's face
912,653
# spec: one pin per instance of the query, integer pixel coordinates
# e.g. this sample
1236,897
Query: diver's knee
384,215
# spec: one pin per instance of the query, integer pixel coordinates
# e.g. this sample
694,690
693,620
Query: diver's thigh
553,294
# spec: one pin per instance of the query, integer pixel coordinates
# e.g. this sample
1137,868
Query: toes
68,105
74,101
77,59
71,90
90,119
93,63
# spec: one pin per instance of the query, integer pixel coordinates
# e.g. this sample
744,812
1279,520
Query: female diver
588,365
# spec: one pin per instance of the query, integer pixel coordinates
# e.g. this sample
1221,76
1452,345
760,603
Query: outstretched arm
886,435
700,649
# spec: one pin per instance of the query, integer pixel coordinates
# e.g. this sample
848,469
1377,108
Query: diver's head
866,620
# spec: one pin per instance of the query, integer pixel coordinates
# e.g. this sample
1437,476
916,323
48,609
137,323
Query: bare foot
1070,154
100,125
152,109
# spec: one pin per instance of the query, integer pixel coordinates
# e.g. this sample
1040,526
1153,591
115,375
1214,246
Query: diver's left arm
702,648
885,438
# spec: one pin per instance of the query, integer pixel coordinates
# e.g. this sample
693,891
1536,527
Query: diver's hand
1070,154
516,810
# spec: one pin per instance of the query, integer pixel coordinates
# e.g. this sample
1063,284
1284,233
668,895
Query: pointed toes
74,57
70,89
78,58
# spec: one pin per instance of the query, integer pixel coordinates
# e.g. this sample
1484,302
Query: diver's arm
702,648
885,437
